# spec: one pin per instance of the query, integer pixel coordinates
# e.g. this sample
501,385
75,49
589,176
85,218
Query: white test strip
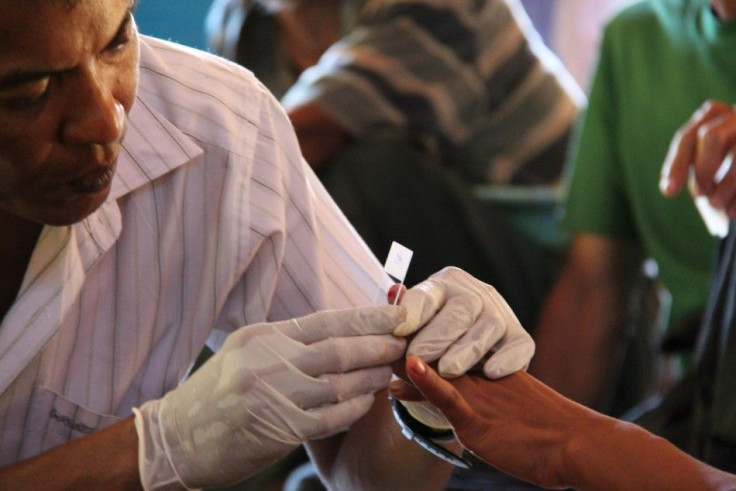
397,261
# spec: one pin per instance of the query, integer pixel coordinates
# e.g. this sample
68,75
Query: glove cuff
155,468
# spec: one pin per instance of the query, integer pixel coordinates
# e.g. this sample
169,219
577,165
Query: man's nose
94,115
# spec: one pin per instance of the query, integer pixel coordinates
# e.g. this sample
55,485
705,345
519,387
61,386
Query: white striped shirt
214,221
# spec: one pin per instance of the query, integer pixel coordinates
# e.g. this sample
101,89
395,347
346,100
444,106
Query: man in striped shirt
404,107
153,198
473,77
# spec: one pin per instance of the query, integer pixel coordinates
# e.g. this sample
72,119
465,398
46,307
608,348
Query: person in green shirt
658,62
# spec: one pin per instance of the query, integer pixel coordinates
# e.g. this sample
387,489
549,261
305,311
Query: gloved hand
460,320
270,388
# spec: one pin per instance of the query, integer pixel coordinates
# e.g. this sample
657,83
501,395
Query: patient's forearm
107,459
605,453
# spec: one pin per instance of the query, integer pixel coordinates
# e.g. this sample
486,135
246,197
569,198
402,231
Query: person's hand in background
704,148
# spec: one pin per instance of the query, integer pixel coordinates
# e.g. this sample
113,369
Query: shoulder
643,14
203,95
191,99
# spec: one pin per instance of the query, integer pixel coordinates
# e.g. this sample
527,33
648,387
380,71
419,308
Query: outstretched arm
526,429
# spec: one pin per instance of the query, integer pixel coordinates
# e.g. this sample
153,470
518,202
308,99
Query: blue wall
181,21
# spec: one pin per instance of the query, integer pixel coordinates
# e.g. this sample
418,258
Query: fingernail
420,368
664,185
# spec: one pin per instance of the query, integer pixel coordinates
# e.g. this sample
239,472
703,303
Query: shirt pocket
59,420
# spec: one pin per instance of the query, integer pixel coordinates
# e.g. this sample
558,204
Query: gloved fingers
427,298
474,345
360,321
512,354
275,417
421,302
449,324
345,354
334,418
515,349
335,388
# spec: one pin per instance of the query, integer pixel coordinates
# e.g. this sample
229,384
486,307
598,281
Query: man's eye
26,97
118,43
122,37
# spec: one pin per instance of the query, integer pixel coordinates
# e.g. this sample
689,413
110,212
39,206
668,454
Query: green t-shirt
659,61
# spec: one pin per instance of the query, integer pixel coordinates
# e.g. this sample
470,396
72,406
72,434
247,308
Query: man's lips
92,182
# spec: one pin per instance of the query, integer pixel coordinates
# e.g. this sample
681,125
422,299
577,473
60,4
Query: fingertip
668,186
665,186
395,293
497,369
416,367
452,369
407,327
395,386
401,330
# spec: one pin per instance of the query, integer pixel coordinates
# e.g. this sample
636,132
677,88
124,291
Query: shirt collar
152,146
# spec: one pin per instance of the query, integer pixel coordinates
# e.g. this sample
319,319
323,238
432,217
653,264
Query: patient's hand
516,423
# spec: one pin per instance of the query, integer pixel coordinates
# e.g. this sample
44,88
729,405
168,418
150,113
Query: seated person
525,428
403,106
681,51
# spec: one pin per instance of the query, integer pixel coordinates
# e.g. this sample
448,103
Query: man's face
68,76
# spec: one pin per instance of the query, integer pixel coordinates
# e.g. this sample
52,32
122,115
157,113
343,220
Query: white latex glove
270,388
460,320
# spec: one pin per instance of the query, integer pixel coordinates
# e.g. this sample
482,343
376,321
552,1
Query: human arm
702,146
268,389
580,332
524,428
105,460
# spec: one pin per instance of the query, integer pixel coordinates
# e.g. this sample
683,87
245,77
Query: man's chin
72,212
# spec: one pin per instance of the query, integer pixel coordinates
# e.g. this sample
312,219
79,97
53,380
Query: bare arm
581,326
375,455
320,137
523,427
105,460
